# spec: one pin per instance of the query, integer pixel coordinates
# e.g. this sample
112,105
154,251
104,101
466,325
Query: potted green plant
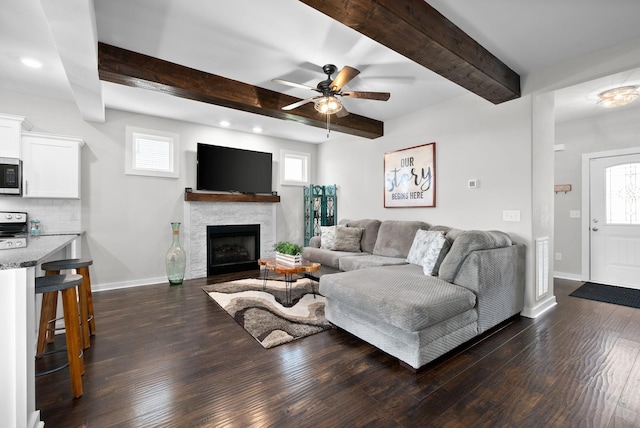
288,253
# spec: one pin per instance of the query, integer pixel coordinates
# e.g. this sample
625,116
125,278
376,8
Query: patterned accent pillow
432,255
327,237
419,246
443,253
348,239
425,250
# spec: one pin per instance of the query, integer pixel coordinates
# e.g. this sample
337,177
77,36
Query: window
294,168
623,194
152,153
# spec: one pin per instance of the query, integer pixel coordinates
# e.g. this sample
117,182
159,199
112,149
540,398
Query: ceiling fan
327,103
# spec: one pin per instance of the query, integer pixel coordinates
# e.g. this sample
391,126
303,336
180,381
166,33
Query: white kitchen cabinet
50,166
11,128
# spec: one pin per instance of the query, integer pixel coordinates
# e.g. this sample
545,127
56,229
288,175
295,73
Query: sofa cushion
347,239
464,243
398,295
440,228
369,234
315,241
368,260
396,236
327,237
325,257
453,233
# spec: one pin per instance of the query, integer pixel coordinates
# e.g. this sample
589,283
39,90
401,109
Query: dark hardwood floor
170,357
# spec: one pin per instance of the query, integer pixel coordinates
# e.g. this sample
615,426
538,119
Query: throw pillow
432,255
443,253
348,239
327,237
419,246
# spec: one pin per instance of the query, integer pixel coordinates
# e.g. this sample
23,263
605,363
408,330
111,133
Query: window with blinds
151,153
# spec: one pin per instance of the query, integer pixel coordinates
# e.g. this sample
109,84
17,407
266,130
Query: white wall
474,140
126,219
618,129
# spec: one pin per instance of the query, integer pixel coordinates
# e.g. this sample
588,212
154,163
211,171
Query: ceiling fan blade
298,104
295,85
346,74
380,96
343,112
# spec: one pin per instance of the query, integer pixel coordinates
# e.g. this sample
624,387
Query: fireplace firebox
232,248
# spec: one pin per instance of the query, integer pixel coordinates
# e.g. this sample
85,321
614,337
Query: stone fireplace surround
198,215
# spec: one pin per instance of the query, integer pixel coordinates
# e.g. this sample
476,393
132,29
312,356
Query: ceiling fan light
327,105
618,97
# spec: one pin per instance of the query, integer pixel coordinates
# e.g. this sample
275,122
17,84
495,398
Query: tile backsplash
55,215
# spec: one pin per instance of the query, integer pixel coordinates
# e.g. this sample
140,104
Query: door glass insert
622,196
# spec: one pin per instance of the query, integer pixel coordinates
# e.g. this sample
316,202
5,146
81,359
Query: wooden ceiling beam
129,68
417,31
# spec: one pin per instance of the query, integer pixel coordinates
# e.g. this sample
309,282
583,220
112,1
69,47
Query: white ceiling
256,41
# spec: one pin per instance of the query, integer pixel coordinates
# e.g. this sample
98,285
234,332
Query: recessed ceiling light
225,123
31,63
257,129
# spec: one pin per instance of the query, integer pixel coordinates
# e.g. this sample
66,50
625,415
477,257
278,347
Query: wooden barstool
50,301
66,284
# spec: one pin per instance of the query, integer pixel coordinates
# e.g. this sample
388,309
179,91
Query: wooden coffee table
288,271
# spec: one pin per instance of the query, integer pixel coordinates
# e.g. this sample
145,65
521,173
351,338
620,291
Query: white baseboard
128,284
539,309
570,276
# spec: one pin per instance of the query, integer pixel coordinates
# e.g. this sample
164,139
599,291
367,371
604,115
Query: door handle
595,229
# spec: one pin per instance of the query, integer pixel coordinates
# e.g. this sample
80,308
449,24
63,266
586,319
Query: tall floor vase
176,258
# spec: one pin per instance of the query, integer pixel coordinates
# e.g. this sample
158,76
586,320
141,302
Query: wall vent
542,267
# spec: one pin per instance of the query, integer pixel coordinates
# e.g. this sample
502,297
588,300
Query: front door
615,220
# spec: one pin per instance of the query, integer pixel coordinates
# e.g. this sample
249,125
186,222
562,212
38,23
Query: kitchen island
18,325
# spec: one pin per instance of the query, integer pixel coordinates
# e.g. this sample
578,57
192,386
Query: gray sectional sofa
375,294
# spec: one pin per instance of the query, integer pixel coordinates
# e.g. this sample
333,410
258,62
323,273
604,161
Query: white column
18,332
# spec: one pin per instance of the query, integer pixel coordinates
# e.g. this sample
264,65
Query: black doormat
609,294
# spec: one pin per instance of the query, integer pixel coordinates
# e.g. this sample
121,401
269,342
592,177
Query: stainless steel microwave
10,176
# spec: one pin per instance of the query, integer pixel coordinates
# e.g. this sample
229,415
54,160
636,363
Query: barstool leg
53,312
86,305
74,347
84,314
47,314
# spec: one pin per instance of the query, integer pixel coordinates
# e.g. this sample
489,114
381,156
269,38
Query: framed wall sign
410,177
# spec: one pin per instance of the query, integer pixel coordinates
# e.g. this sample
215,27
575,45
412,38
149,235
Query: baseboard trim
570,276
129,284
539,309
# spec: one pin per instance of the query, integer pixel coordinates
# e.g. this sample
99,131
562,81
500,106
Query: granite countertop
37,249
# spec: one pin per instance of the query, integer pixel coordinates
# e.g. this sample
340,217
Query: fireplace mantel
228,197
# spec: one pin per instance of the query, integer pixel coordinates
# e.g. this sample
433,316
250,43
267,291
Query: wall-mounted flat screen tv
226,169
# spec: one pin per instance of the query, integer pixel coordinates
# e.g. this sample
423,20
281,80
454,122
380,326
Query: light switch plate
474,183
511,215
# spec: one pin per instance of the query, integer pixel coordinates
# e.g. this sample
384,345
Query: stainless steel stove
13,230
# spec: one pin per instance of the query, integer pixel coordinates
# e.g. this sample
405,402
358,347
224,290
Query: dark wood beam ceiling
141,71
419,32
